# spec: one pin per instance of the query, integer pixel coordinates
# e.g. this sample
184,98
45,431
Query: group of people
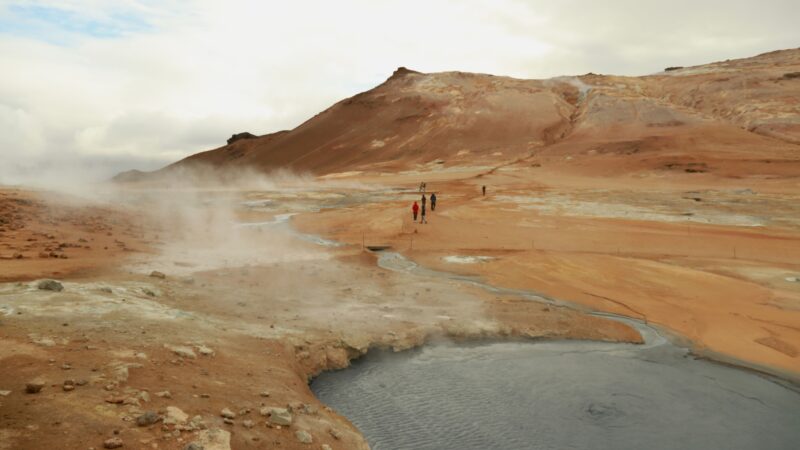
416,209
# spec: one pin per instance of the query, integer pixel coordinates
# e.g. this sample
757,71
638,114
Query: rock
203,350
248,423
228,414
228,421
34,387
264,393
240,136
326,447
213,439
147,419
194,446
175,416
303,436
335,433
157,274
114,442
68,387
50,285
4,393
182,351
164,394
277,416
148,292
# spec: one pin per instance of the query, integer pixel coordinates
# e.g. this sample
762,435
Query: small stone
277,416
66,367
303,436
335,433
68,387
157,274
34,387
228,421
194,446
114,442
228,414
182,351
147,419
82,382
4,393
326,447
248,423
213,439
164,394
264,393
203,350
175,416
50,285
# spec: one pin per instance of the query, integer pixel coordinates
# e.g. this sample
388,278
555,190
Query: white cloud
151,81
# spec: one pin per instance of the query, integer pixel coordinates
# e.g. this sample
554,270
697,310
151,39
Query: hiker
423,201
422,217
433,201
415,210
484,191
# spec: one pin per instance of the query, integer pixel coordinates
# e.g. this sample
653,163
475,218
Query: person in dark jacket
415,210
423,200
433,201
422,217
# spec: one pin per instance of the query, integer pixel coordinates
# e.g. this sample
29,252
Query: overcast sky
124,84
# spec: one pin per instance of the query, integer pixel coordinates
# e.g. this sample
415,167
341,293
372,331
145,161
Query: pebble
326,447
146,419
248,423
264,393
157,274
114,442
303,436
68,387
175,416
50,285
164,394
228,414
34,387
277,416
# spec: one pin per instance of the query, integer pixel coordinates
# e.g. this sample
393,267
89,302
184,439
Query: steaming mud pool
560,395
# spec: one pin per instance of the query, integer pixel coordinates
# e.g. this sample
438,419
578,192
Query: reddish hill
710,117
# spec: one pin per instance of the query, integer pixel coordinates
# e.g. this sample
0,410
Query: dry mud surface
241,312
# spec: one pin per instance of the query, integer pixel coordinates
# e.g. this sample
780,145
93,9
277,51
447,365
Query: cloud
142,83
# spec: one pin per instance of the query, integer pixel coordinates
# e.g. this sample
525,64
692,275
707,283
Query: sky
91,87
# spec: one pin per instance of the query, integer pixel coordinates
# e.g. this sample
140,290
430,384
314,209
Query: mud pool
560,395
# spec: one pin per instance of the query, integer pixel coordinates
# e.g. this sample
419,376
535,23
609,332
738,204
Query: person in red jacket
415,210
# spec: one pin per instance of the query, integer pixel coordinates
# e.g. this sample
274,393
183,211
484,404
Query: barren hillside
708,118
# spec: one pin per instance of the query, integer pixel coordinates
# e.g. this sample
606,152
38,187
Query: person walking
423,200
433,201
415,210
422,217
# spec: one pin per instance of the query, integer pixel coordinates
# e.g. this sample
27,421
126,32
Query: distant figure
484,191
415,210
433,201
422,217
423,201
422,186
